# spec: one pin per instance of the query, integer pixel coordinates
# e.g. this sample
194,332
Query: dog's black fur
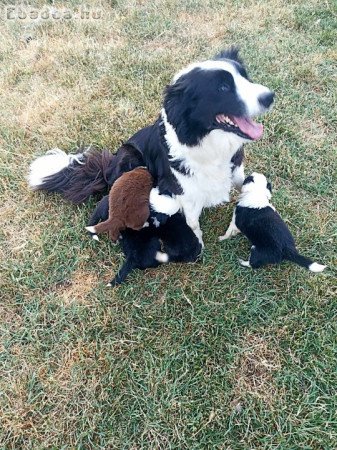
174,237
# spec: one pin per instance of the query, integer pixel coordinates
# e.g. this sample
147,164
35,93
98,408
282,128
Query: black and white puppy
257,219
172,241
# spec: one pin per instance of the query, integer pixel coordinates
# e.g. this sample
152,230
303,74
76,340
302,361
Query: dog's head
216,94
257,184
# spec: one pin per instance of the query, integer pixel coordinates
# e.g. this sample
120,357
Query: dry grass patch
209,25
254,369
17,228
77,289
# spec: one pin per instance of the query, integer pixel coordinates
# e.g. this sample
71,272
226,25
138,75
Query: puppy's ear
249,179
230,53
269,187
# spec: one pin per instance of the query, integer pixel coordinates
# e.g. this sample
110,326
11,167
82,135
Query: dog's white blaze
315,267
49,164
248,92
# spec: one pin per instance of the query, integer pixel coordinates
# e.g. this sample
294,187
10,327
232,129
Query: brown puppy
128,203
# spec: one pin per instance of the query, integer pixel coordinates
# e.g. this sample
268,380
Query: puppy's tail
75,177
294,256
124,271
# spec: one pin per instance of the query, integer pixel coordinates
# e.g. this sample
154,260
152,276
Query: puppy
128,203
172,241
258,220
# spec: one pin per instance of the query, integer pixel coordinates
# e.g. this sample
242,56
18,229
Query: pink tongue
253,129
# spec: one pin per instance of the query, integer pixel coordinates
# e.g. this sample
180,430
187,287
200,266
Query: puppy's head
257,184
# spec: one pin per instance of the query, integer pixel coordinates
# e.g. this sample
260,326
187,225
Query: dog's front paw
92,233
244,263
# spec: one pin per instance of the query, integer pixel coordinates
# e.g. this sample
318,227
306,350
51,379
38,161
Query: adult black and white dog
256,218
194,150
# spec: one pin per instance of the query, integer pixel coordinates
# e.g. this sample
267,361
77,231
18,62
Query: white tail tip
162,257
49,164
109,285
91,230
315,267
95,237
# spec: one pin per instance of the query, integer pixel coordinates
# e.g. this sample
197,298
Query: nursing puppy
257,219
129,204
173,241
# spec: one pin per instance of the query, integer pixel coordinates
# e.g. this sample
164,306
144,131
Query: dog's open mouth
243,126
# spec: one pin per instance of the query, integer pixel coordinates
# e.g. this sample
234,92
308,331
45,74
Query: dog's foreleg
192,220
124,271
232,230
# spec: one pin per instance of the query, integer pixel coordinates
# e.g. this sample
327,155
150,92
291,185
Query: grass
204,356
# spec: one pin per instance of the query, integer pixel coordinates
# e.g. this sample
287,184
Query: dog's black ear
249,179
230,53
177,88
269,187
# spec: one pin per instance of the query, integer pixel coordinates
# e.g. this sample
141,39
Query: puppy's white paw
224,237
244,263
91,230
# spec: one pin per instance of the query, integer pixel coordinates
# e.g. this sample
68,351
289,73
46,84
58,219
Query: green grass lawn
202,356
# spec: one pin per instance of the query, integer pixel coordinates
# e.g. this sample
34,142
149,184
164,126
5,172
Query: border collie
257,219
193,150
172,241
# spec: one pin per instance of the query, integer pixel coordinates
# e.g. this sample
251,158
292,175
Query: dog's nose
266,99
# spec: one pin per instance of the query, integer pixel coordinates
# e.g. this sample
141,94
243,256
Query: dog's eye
224,88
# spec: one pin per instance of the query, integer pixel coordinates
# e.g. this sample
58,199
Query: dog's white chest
209,178
208,186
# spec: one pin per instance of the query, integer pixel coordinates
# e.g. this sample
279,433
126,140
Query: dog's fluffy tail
76,177
294,256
